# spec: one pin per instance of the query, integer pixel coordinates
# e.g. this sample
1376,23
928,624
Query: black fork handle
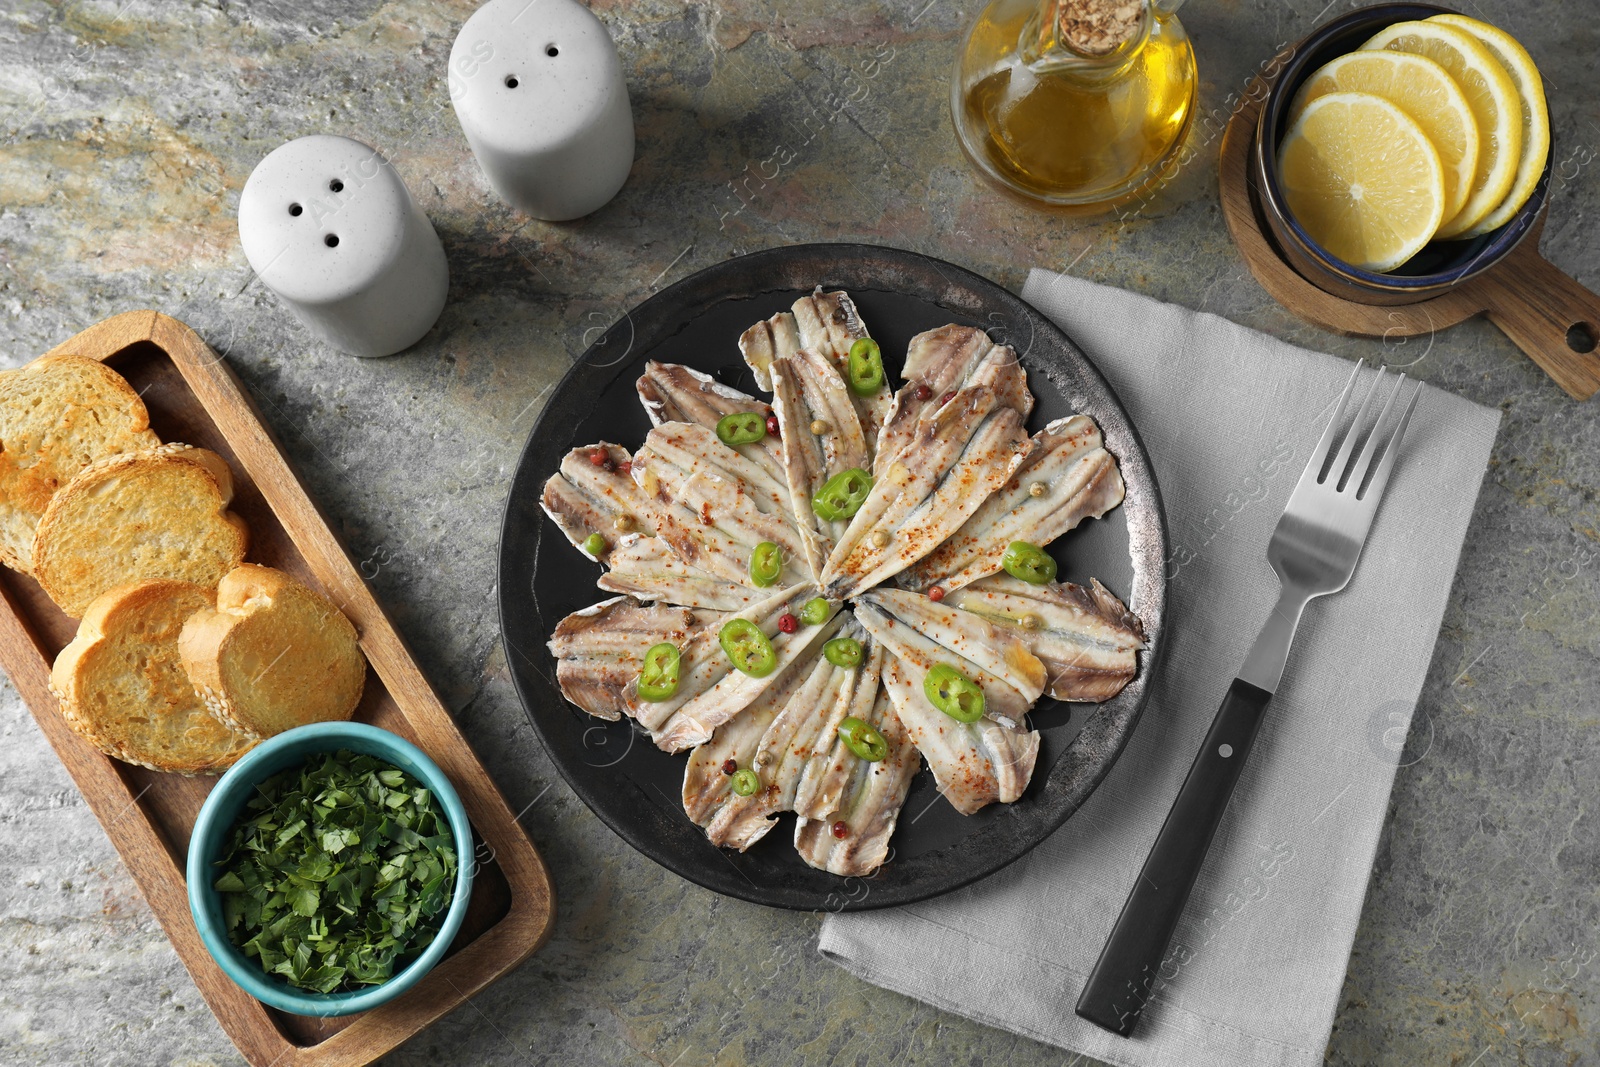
1125,975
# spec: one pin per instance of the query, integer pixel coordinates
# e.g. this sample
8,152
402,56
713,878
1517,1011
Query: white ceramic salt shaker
538,90
329,226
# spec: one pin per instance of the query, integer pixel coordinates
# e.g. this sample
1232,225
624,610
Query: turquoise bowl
223,806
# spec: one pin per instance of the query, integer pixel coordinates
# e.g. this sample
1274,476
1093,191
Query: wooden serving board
1552,318
193,397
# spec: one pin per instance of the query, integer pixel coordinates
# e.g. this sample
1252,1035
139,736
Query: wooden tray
193,397
1548,315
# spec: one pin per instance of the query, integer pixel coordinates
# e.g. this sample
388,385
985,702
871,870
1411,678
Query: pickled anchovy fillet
995,648
807,390
692,721
1076,479
707,788
672,392
923,634
826,770
646,568
869,802
965,452
584,498
942,362
599,650
829,324
714,505
766,341
973,764
1087,639
702,663
780,756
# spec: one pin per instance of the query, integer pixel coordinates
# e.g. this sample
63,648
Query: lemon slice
1535,116
1493,98
1419,87
1362,179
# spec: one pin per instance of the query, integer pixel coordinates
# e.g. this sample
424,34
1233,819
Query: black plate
633,786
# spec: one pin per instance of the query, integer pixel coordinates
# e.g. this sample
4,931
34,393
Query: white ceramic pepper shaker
538,90
328,225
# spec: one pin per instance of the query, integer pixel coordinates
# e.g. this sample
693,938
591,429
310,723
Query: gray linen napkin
1229,416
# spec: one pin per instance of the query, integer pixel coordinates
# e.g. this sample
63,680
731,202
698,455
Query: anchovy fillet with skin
766,341
692,721
600,649
714,505
827,769
974,764
672,392
1087,639
968,450
1079,480
783,751
584,498
945,361
702,663
646,568
706,786
869,803
1011,679
995,648
807,390
829,324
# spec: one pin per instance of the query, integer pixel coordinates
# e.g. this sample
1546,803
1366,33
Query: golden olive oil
1065,128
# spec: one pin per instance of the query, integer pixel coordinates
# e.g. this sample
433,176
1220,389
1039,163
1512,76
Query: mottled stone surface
127,128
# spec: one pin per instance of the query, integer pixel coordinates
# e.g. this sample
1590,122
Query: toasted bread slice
122,687
58,414
273,654
162,513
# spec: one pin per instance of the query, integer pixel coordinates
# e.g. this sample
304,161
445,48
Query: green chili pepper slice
766,564
843,652
742,428
748,647
815,613
1028,562
744,782
859,737
866,367
842,495
953,693
658,678
594,544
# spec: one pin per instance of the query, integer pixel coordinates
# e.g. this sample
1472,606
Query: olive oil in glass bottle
1074,103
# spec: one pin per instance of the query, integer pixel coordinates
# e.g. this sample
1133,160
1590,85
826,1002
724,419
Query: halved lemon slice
1362,179
1493,98
1535,116
1419,87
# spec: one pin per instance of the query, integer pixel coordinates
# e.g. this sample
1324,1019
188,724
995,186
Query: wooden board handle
1550,317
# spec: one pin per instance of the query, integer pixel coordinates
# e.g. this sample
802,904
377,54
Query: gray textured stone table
127,128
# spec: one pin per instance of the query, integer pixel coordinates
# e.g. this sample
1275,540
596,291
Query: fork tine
1341,463
1363,464
1391,448
1319,455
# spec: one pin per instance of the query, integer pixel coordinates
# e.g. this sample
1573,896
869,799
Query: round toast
122,687
58,414
272,654
159,513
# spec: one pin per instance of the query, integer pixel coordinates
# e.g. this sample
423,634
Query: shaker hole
1581,337
295,209
332,240
552,51
511,81
336,185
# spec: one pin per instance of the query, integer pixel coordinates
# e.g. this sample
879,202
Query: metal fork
1314,550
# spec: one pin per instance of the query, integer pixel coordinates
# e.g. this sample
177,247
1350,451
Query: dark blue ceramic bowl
223,805
1441,265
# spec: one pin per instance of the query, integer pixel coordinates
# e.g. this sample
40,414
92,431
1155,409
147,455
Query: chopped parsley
336,872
